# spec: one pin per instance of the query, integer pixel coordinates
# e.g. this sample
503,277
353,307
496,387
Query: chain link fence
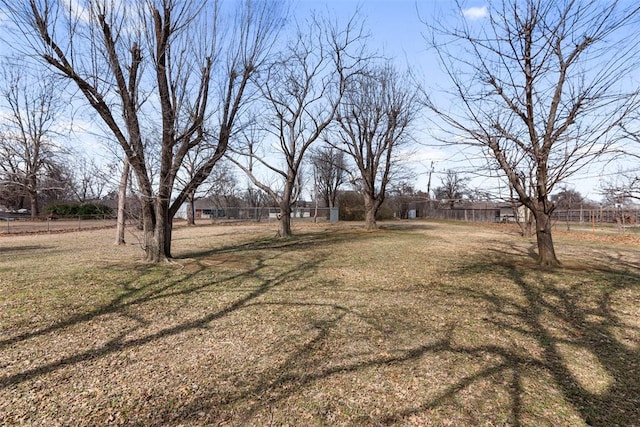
267,214
619,218
17,224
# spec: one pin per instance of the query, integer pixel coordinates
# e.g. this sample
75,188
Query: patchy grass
415,324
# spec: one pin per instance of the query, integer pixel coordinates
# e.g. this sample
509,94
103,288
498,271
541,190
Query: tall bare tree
329,168
89,179
454,188
172,64
301,90
627,182
622,188
27,149
220,183
374,122
539,84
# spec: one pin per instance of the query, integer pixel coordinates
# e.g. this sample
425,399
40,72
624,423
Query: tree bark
191,210
159,248
32,189
122,200
370,211
35,208
151,250
168,231
546,252
284,228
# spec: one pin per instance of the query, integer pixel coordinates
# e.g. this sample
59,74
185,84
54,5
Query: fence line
586,216
598,216
466,215
267,214
16,225
612,216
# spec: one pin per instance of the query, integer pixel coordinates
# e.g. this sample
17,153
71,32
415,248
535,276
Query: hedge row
79,209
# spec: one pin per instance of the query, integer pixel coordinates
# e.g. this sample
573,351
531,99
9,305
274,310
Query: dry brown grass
415,324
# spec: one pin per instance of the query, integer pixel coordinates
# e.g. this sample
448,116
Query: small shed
512,213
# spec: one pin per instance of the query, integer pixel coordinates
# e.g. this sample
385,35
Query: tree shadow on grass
299,371
135,294
298,242
538,297
8,250
571,317
569,325
405,225
159,288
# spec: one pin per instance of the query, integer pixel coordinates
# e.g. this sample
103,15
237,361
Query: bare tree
220,183
453,189
330,173
566,199
89,178
621,193
621,189
27,148
159,62
374,122
626,185
256,198
543,85
403,197
301,90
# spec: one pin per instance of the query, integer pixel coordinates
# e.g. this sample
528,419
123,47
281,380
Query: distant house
204,209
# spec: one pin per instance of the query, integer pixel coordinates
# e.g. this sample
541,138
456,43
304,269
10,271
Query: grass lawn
419,323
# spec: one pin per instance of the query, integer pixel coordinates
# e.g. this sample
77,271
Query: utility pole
429,181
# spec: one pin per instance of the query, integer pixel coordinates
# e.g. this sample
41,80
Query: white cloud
76,10
424,155
474,13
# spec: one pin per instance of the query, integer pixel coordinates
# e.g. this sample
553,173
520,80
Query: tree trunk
35,208
162,230
33,195
153,229
168,231
528,229
546,252
370,211
191,210
525,222
122,199
157,230
284,229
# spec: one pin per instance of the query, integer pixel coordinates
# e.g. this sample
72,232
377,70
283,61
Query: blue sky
396,31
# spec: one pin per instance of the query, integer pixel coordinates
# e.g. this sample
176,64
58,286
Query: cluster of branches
179,84
170,72
542,89
324,86
30,160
